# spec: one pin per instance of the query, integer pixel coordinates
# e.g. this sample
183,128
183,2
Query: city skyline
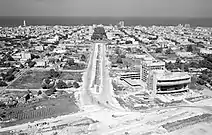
109,8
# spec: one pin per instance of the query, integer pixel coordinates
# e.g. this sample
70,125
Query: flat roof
171,75
154,63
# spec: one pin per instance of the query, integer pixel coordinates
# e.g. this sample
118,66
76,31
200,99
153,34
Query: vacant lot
30,80
42,109
71,76
33,79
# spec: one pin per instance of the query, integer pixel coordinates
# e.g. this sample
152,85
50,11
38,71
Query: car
107,102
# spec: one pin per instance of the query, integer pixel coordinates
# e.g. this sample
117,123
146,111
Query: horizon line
117,17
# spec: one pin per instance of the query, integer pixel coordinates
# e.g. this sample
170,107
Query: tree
39,92
71,62
47,83
79,79
194,64
117,51
170,66
128,42
34,56
21,66
83,58
209,58
3,76
203,77
168,51
159,50
2,105
69,84
61,85
178,60
9,78
76,85
189,48
119,60
206,64
127,63
123,56
201,81
10,71
8,57
53,73
31,63
129,49
181,48
3,84
50,91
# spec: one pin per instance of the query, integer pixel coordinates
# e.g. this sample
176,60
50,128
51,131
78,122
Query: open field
33,79
29,80
44,108
187,122
71,76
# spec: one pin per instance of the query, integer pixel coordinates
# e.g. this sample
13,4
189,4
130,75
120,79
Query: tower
121,24
143,71
152,83
24,24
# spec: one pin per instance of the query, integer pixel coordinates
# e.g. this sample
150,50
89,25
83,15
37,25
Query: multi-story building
160,81
121,23
205,51
147,66
164,82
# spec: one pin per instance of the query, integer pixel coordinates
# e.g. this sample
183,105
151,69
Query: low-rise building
185,54
205,51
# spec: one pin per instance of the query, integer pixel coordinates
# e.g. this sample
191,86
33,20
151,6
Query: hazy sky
143,8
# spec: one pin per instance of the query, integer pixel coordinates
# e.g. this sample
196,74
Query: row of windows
130,75
186,79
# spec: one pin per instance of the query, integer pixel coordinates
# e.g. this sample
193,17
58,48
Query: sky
110,8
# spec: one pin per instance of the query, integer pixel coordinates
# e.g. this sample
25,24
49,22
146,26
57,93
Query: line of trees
51,83
99,34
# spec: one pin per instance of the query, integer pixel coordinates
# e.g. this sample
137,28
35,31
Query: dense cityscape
111,79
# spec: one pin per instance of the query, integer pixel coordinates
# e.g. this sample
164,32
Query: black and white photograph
105,67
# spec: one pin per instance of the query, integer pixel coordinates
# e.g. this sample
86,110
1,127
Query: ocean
130,21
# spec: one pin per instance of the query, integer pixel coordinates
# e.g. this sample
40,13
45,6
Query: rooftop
164,75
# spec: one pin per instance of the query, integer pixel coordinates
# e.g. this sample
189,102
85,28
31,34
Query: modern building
164,82
25,55
24,24
121,23
132,75
205,51
147,66
185,54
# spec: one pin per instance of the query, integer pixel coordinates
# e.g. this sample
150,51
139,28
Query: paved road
143,47
86,98
106,88
208,108
141,127
105,94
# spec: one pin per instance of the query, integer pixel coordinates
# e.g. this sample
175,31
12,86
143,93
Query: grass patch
71,76
33,79
30,80
49,108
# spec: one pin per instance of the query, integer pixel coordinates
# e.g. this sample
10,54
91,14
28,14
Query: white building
164,82
205,51
147,66
185,54
25,55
